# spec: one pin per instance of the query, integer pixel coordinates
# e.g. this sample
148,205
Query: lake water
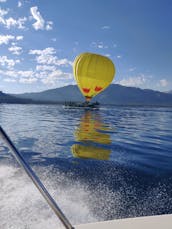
112,163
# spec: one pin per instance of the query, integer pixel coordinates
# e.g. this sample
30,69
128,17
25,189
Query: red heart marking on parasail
86,90
98,88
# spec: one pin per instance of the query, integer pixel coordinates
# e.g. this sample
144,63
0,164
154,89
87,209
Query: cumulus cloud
26,74
45,68
3,0
19,23
26,77
9,63
46,51
3,12
19,38
10,80
50,70
46,57
27,80
18,74
11,22
19,4
4,39
16,50
40,22
9,73
133,81
55,76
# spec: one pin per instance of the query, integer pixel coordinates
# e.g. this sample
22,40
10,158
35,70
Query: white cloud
39,24
163,83
4,39
99,45
27,80
46,74
9,63
52,60
16,50
18,38
55,76
3,12
26,74
46,57
19,23
10,80
107,54
41,75
45,68
13,43
8,73
105,27
64,61
3,0
26,77
133,81
11,22
49,25
18,74
119,56
19,4
46,51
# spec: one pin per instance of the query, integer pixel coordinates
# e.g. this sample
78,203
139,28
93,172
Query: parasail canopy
93,73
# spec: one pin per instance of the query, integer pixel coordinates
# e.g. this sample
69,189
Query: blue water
115,162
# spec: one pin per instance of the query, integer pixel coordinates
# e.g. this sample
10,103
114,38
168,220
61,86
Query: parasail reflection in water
92,138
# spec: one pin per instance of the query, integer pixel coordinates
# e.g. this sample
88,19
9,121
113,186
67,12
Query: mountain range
5,98
115,95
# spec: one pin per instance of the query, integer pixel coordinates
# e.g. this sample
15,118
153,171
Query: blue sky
40,39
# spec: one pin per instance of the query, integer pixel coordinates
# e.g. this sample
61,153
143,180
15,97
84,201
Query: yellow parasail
93,73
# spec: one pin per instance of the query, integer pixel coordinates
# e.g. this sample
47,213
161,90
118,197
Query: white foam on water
23,207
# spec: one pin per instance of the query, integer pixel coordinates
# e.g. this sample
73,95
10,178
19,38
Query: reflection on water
135,181
92,137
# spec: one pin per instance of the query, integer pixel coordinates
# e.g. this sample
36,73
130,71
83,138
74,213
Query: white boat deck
148,222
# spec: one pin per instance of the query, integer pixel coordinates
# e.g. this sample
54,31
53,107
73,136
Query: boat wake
22,206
